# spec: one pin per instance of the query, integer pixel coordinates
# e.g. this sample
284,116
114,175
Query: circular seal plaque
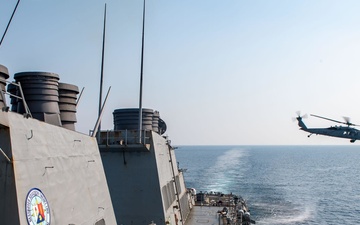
37,208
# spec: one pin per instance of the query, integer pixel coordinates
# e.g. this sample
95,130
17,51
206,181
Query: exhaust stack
4,75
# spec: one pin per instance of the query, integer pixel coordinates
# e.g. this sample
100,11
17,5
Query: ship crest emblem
37,208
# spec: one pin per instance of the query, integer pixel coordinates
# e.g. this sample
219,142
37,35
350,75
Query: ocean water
281,184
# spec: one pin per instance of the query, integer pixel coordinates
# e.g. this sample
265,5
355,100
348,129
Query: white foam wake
304,215
221,174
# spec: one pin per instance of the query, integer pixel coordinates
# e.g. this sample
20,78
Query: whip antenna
7,27
141,75
102,74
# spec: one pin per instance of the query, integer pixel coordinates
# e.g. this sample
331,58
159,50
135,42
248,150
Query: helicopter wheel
352,141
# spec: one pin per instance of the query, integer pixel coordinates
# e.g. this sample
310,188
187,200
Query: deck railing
123,137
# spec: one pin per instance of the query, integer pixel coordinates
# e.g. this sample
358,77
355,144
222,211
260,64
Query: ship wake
230,165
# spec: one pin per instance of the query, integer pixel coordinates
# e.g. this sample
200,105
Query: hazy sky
219,72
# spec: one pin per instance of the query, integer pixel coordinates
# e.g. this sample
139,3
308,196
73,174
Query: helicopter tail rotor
299,119
298,113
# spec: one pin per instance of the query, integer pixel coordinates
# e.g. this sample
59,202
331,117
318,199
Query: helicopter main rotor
347,120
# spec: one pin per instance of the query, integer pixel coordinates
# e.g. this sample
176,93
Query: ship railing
21,97
124,137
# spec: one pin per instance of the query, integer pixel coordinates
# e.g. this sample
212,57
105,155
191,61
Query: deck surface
204,215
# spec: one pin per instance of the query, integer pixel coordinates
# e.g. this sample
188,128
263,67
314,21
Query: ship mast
141,75
102,74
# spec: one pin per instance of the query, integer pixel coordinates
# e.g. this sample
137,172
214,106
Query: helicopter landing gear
309,135
352,140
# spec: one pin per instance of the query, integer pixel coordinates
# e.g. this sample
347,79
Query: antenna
102,73
98,121
7,27
79,98
141,75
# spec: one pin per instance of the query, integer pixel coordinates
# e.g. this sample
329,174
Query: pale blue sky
219,72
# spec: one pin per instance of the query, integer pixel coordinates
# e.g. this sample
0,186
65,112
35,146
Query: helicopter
347,131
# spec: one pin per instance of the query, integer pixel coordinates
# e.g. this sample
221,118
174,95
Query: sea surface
281,184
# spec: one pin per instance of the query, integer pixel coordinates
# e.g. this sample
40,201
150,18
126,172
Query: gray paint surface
141,182
65,165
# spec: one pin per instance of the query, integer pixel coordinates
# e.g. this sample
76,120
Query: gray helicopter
347,132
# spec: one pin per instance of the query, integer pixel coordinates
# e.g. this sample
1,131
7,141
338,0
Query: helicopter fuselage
336,131
333,131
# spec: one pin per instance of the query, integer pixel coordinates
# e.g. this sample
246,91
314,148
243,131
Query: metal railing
21,97
124,137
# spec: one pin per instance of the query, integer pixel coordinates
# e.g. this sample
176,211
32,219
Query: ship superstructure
52,174
144,180
49,174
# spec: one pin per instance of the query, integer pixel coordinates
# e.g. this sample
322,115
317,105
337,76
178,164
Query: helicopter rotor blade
298,113
336,121
347,119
